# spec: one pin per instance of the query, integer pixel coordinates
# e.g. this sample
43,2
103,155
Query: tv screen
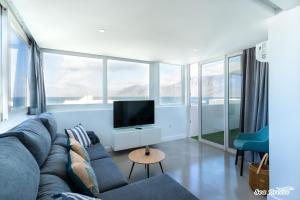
133,113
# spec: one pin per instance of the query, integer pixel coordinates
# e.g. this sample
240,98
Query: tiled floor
207,172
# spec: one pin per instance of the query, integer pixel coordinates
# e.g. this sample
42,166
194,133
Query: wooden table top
138,156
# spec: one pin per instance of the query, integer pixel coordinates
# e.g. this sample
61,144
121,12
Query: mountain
135,90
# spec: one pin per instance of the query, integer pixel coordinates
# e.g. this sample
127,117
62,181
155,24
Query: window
194,69
170,84
213,83
18,68
127,80
72,79
213,95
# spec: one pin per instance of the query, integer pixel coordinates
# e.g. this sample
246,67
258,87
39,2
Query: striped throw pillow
72,196
80,134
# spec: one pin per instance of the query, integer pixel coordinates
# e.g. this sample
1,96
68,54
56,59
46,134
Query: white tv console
126,138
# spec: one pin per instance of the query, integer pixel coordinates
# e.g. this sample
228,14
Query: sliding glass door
212,104
234,97
217,99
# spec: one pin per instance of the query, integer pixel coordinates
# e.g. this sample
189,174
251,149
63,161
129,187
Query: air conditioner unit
262,52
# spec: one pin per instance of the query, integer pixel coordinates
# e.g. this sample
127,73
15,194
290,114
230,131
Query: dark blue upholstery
97,151
62,140
108,175
51,185
155,188
50,123
35,137
19,172
56,162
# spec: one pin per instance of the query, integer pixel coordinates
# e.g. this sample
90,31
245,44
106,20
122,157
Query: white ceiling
154,30
286,4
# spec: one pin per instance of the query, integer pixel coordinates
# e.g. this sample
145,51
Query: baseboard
173,137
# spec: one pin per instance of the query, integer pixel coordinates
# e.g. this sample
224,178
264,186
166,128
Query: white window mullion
104,81
183,84
4,65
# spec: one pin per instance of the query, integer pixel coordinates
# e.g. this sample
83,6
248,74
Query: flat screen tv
133,113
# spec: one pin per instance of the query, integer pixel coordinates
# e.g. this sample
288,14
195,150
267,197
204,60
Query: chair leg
236,156
242,163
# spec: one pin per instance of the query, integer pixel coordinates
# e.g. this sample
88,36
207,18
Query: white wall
284,101
172,120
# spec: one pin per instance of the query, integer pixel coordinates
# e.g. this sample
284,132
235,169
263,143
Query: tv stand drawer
132,137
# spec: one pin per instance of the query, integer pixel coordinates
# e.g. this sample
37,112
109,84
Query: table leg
131,169
147,171
162,170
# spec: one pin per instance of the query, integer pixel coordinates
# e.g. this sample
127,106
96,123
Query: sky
72,76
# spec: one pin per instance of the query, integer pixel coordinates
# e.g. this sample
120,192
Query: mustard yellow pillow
82,175
79,149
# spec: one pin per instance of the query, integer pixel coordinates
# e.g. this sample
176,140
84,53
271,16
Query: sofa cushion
50,123
19,172
79,149
108,175
82,175
56,162
35,138
160,187
97,151
61,139
51,185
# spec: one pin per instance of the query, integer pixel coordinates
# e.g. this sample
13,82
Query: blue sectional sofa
33,159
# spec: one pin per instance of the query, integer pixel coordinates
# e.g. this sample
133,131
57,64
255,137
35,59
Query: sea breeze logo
278,191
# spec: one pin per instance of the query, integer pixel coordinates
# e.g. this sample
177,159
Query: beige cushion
79,149
82,175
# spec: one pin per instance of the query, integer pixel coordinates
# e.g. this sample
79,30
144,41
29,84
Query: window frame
75,54
183,84
226,111
104,105
13,25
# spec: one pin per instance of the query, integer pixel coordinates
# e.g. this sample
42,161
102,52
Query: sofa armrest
93,137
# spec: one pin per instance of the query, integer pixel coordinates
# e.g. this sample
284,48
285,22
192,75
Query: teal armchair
254,142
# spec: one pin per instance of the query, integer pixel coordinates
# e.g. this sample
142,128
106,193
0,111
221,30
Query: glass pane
72,79
235,85
213,102
19,65
127,80
194,83
170,84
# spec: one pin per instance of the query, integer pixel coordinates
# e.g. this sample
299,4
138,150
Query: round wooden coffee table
138,156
